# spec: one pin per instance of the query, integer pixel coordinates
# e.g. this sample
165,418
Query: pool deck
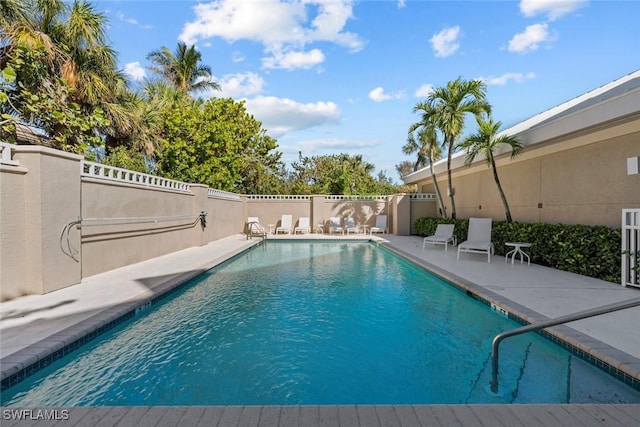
33,327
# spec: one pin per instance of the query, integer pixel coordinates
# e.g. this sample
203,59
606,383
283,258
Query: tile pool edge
25,362
617,363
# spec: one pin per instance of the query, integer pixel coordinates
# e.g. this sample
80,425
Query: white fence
100,171
631,247
220,194
6,155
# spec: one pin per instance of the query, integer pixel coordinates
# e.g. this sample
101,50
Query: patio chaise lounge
442,236
350,225
334,225
303,226
286,224
254,228
478,238
381,225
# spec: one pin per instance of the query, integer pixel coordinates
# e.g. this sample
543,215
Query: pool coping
25,362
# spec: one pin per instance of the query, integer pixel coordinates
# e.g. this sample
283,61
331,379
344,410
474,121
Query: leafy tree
451,104
216,143
423,139
47,107
123,157
404,168
336,174
485,142
182,69
59,54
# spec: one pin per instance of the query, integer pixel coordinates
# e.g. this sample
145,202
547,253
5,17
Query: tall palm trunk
443,209
500,190
453,202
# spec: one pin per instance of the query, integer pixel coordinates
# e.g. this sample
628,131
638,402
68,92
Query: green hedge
584,249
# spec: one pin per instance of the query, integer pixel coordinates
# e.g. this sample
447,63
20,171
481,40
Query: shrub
592,251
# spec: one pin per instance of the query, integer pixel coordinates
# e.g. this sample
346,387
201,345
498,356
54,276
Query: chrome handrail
609,308
261,231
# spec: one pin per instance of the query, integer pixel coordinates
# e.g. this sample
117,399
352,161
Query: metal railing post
609,308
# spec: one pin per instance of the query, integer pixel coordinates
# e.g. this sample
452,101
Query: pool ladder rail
495,346
255,229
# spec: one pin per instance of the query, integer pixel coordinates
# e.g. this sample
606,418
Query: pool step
545,377
529,372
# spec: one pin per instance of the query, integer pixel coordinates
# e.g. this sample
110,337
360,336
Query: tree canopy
215,143
337,174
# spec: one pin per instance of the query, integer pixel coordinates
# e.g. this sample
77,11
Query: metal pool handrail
609,308
255,225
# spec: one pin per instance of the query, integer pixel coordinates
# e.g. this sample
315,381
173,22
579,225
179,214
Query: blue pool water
315,323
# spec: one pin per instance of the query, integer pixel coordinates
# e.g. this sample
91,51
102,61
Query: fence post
52,200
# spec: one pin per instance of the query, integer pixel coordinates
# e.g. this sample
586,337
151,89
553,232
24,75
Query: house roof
612,101
30,135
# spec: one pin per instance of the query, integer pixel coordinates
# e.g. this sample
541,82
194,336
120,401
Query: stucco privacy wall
108,244
13,245
269,208
43,194
64,218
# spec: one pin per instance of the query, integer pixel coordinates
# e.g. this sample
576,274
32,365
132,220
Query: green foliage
46,105
592,251
218,144
337,174
126,158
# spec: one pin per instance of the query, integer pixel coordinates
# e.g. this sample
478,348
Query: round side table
517,250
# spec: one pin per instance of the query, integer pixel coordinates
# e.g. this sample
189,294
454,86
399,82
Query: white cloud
122,17
445,43
401,4
281,26
294,60
553,9
530,39
378,95
135,71
424,91
506,77
314,145
237,57
238,85
282,115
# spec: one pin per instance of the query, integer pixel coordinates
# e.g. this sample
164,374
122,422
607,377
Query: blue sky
341,76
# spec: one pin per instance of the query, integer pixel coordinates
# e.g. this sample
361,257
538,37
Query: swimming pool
314,323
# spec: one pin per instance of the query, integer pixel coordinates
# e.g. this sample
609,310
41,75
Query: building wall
581,181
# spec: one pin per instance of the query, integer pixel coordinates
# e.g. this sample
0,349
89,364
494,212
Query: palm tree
485,141
181,69
451,104
70,43
426,146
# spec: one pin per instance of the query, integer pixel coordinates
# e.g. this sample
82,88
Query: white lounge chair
254,228
442,236
478,238
350,225
286,224
381,225
334,225
303,226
